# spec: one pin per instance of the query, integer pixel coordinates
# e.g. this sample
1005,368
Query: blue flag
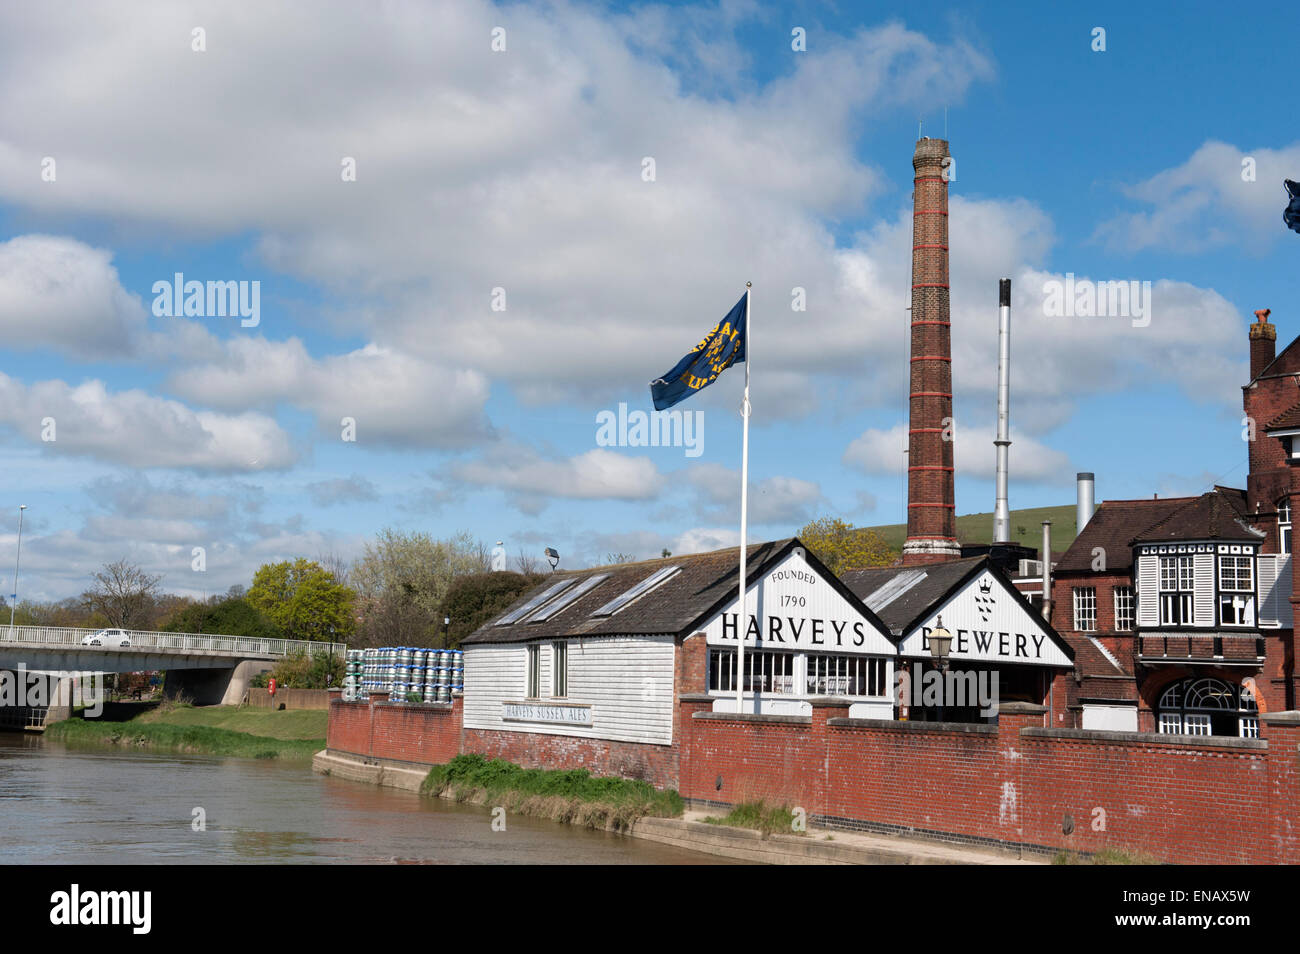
721,348
1291,214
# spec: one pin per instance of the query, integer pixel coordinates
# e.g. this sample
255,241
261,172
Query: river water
66,805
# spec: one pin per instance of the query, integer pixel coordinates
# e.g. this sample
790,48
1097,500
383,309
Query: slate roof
1113,525
1216,515
932,582
705,583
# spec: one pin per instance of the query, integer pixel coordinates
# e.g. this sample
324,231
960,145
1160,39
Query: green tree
479,597
402,579
227,617
841,546
304,600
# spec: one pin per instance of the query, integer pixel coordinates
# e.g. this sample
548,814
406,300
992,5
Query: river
66,805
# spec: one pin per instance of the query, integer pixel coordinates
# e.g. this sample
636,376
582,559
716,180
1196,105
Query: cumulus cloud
788,501
140,430
876,451
1206,203
531,480
61,294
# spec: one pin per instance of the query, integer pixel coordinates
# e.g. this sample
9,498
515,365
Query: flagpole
742,617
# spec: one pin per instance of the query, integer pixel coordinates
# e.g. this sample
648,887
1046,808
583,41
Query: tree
123,593
479,597
402,579
304,600
228,617
527,564
841,546
613,559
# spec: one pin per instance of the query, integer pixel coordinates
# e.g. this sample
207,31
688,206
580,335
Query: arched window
1208,706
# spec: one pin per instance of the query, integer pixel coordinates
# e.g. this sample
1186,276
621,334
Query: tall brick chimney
931,517
1263,343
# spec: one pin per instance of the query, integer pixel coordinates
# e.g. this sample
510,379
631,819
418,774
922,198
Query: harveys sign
990,624
795,608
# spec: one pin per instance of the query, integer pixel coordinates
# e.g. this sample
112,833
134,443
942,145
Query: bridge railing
193,642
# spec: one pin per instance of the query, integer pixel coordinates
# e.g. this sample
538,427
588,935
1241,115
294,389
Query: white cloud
1205,203
877,451
61,294
140,430
531,480
789,501
704,539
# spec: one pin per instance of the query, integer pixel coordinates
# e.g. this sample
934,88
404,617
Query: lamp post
553,555
940,644
13,598
446,627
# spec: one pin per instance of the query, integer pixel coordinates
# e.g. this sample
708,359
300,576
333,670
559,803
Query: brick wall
424,734
289,698
656,764
1185,800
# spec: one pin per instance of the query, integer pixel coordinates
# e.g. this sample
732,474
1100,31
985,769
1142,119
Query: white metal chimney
1001,510
1085,493
1045,555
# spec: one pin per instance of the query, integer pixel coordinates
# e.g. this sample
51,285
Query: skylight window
645,586
566,599
548,594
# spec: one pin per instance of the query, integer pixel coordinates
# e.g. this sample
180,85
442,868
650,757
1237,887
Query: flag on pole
1291,214
721,348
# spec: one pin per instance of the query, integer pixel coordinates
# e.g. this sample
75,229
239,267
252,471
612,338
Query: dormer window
1237,590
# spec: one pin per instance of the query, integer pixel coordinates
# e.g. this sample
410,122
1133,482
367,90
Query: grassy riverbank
574,796
293,735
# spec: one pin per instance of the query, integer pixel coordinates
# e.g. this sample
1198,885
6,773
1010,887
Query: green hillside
1026,528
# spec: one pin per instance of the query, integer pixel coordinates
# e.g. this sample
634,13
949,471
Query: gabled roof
704,584
1113,525
1216,515
900,595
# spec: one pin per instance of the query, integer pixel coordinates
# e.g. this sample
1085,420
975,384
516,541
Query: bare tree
527,564
614,558
335,566
123,592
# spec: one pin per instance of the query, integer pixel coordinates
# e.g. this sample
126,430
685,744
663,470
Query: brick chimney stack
931,506
1263,343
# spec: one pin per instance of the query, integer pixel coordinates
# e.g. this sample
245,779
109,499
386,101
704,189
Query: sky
476,228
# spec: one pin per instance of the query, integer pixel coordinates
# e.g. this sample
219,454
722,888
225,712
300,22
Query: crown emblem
985,586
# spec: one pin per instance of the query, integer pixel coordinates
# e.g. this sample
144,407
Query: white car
108,637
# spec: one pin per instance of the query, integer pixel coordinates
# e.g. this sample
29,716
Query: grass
294,735
1026,528
768,819
568,795
1107,856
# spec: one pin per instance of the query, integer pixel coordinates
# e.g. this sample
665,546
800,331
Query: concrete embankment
816,847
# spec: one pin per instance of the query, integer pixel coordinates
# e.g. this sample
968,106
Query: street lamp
940,644
553,555
13,597
446,626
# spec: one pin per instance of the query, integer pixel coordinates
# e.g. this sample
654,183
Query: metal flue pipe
1001,508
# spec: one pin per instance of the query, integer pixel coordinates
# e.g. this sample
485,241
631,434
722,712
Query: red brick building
1181,610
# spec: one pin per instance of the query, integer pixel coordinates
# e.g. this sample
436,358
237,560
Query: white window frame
1125,613
559,669
1177,589
1085,603
1284,525
533,674
1237,591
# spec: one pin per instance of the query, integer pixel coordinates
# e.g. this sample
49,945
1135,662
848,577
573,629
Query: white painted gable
988,624
799,610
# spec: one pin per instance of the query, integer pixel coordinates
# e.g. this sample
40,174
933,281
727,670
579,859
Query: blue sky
522,169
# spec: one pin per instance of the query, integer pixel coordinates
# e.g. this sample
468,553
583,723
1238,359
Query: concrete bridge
211,669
